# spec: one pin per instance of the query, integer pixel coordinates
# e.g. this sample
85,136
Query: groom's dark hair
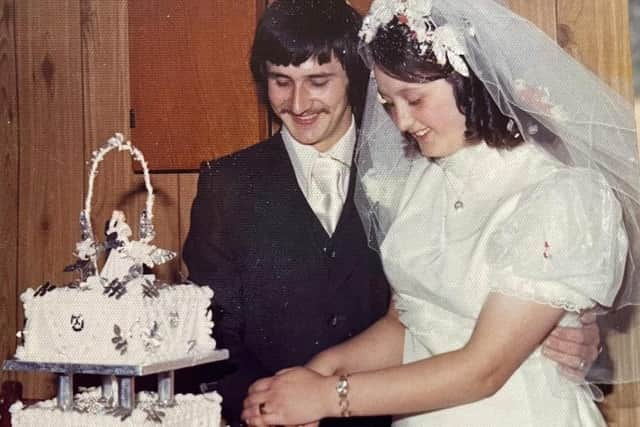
292,31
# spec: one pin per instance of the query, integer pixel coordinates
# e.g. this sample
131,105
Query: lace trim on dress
550,293
542,299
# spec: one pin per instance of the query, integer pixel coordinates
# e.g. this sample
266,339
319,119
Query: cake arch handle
146,231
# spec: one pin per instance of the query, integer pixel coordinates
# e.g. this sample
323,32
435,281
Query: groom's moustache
287,110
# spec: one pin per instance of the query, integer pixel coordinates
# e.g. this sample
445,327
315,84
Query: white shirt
304,156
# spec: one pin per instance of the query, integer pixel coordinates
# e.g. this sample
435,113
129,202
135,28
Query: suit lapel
286,186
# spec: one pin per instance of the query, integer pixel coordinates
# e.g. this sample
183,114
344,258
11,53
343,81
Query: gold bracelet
343,394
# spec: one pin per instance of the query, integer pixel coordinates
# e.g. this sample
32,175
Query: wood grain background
210,108
64,89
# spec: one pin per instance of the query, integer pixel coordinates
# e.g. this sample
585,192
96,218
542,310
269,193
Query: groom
274,230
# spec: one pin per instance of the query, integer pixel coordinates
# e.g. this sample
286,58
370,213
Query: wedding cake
85,325
89,410
117,315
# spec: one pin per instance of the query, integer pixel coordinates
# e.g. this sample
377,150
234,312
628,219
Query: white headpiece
531,80
416,14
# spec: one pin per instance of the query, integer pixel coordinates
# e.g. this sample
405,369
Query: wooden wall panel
541,13
105,70
106,103
192,91
51,157
597,34
8,183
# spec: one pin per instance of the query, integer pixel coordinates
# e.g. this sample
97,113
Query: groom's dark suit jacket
283,289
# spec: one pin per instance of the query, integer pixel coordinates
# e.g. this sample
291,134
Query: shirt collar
305,155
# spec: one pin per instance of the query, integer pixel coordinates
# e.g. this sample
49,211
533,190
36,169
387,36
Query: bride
503,207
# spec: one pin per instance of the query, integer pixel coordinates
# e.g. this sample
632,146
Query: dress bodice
437,252
530,227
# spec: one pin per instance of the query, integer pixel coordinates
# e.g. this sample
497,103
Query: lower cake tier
143,325
90,410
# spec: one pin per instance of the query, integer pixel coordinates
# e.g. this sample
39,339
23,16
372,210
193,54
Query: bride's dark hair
395,50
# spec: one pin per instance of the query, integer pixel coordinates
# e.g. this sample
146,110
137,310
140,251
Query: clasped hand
293,397
575,349
301,396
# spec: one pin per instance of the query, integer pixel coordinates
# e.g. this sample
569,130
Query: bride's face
427,112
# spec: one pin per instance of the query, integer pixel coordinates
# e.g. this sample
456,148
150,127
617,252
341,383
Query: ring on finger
582,365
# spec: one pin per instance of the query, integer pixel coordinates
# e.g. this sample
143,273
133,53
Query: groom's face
311,100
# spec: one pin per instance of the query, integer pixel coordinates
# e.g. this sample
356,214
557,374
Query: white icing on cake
189,411
78,325
117,316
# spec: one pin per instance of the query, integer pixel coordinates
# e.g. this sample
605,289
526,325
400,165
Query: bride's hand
296,396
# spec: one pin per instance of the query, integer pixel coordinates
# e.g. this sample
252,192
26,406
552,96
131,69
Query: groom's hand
575,349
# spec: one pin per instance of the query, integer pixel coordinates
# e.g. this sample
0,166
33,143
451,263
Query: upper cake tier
68,325
116,314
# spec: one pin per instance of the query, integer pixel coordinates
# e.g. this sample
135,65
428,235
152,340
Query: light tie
325,197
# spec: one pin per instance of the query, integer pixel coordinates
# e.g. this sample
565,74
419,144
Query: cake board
123,374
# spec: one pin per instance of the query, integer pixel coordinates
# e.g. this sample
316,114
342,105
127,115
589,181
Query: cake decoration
151,320
42,290
117,321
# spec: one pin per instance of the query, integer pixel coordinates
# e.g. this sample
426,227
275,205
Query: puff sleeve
563,244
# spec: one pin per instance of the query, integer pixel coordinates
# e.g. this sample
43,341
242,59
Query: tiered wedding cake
117,316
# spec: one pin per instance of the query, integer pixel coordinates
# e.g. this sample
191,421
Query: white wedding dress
530,228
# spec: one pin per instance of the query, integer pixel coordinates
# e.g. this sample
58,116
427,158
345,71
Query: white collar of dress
472,160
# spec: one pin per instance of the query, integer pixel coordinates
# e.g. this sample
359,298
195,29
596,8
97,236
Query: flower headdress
416,15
